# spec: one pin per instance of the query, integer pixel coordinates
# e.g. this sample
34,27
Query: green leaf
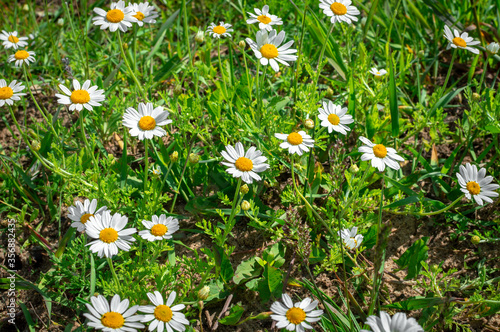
246,270
393,100
413,257
418,302
270,284
234,315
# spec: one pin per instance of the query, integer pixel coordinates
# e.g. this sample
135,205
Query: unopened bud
245,205
125,46
200,36
174,156
354,168
60,22
242,44
476,96
26,8
493,48
421,54
194,158
475,239
244,189
35,145
309,123
204,293
329,92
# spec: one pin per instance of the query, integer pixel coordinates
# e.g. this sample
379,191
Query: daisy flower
493,48
458,40
164,316
10,39
379,154
144,13
266,20
476,184
268,50
146,122
159,228
350,238
109,233
118,17
397,323
156,171
81,213
21,57
244,165
10,93
295,317
334,117
82,96
113,317
339,10
378,73
296,142
221,30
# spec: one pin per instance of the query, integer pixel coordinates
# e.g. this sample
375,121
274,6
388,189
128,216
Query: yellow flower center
80,97
159,230
295,315
86,217
21,55
244,164
473,187
113,320
139,16
219,29
147,123
459,42
13,39
334,119
108,235
379,151
294,139
264,19
115,16
269,51
338,8
378,73
163,313
6,92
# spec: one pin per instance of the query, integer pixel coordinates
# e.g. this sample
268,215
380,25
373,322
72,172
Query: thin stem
84,137
221,71
110,263
233,208
449,72
182,175
423,214
146,164
485,67
321,55
131,72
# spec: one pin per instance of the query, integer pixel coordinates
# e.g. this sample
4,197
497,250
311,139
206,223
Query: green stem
131,72
110,263
221,71
443,89
321,55
84,137
233,208
146,165
423,214
485,67
182,175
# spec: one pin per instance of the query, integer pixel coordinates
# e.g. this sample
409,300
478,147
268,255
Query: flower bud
26,8
177,90
245,205
309,123
125,46
35,145
329,92
174,156
476,96
421,54
493,48
194,158
242,44
475,239
354,168
204,293
60,22
200,36
244,189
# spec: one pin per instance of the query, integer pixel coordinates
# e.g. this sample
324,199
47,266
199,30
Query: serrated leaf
246,270
413,257
234,316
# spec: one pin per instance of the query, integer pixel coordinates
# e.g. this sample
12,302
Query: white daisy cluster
121,17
